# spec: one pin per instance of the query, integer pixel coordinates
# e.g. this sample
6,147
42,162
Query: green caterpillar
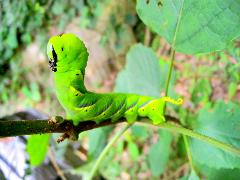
68,58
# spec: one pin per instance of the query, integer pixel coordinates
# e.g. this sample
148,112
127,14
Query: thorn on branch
62,137
55,120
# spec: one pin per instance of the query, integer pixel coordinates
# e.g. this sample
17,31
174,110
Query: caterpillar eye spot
86,110
62,48
77,74
76,94
53,62
54,54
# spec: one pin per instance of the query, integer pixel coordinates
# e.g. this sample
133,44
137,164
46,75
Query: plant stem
189,154
27,127
172,56
190,133
170,71
106,149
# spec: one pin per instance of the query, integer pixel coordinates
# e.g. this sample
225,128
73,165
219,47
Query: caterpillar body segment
99,107
68,59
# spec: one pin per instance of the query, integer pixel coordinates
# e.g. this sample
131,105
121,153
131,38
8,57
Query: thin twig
106,149
173,53
55,165
188,132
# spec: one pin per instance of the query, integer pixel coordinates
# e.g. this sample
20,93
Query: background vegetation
130,51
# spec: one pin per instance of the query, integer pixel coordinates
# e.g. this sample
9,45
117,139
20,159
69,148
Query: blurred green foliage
159,153
21,23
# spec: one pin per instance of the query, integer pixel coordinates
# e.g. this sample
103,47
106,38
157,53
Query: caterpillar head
66,53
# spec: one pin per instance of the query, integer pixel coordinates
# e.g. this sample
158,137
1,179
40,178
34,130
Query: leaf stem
191,133
106,149
189,154
170,71
172,56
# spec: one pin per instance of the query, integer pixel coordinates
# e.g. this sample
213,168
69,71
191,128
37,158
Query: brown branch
10,128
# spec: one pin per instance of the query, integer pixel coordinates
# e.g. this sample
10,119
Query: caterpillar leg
131,112
131,118
156,118
131,115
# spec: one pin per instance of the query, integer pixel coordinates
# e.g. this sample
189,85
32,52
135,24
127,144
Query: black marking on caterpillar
86,105
53,63
105,108
132,105
54,54
119,108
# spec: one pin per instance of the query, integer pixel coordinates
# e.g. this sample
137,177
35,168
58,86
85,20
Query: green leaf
97,141
140,132
202,26
109,167
219,174
58,7
133,150
37,147
144,74
193,176
232,89
141,74
113,169
221,122
159,153
83,171
11,40
201,91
